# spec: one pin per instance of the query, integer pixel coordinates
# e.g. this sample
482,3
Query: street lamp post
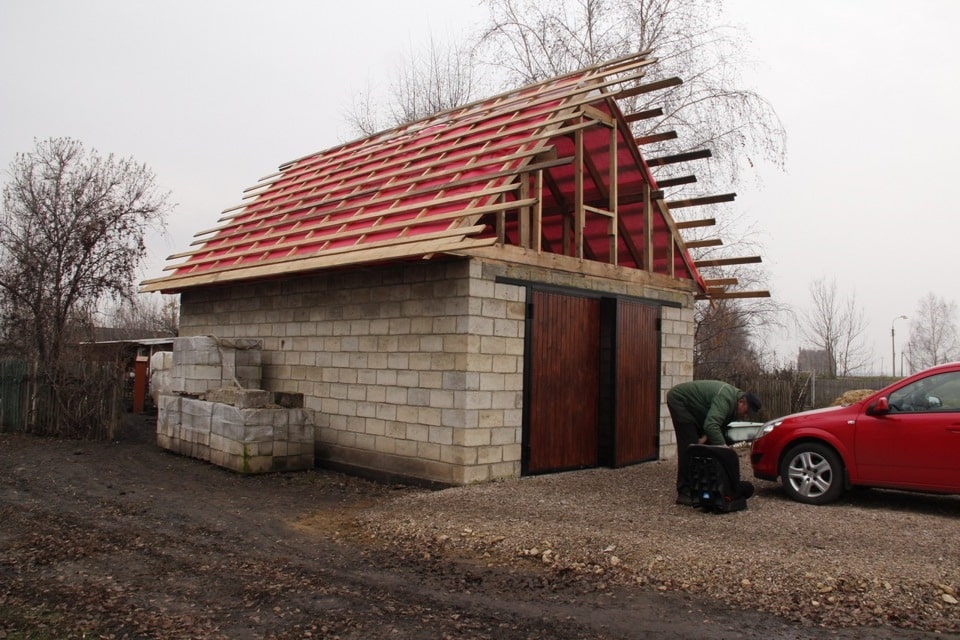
893,344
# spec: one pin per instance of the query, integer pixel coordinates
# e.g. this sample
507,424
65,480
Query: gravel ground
875,558
123,540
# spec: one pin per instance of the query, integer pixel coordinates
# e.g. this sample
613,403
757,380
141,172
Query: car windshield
940,392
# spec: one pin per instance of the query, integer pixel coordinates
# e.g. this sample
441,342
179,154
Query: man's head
748,403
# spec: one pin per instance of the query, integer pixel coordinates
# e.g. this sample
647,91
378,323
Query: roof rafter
553,166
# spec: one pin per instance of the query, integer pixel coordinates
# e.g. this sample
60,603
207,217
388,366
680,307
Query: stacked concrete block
261,440
161,364
201,363
246,439
195,421
168,422
183,426
241,398
214,409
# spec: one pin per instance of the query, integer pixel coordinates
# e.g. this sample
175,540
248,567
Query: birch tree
525,41
934,338
530,40
836,326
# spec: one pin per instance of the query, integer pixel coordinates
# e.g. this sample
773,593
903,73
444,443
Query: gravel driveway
123,540
875,558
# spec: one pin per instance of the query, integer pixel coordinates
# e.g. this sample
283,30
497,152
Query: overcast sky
213,95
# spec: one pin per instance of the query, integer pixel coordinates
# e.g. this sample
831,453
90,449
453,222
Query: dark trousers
688,432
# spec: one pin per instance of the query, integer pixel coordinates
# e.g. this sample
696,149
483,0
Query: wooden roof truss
552,168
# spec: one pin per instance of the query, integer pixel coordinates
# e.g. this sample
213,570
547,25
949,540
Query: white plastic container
743,431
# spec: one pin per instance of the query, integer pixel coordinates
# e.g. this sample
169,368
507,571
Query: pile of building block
214,411
201,363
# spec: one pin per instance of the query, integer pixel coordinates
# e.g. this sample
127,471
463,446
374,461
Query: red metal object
140,383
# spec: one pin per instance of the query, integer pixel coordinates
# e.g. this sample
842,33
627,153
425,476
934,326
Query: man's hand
702,440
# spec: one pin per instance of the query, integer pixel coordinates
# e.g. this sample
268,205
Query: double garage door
592,380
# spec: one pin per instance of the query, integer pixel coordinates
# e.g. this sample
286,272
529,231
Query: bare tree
146,314
753,316
435,79
836,326
442,78
529,40
363,116
933,333
722,344
71,232
526,41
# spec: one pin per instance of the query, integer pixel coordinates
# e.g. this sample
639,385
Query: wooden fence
14,375
87,401
798,391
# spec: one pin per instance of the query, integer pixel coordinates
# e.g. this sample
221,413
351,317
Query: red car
905,436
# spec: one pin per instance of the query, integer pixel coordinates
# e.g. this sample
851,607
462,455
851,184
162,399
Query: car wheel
812,473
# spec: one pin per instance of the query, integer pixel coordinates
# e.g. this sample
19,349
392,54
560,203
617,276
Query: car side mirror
880,407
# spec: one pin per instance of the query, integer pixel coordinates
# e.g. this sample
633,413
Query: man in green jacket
701,411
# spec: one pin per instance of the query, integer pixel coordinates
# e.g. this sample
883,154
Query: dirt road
123,540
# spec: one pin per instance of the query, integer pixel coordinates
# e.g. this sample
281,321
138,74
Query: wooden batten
700,244
643,115
544,160
692,224
576,82
676,182
444,242
720,282
647,88
680,157
394,164
656,137
260,210
726,262
355,233
696,202
732,295
600,116
323,224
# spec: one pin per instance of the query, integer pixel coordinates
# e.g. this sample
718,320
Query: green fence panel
13,379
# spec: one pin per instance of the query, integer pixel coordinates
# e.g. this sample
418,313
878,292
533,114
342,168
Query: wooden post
579,215
613,195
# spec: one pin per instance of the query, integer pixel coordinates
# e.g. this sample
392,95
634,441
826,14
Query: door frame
605,426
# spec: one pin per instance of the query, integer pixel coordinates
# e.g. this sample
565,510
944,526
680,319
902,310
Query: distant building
816,360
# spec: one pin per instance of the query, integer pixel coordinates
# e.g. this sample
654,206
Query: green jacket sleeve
722,411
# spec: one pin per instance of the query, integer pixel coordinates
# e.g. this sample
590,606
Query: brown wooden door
637,413
563,382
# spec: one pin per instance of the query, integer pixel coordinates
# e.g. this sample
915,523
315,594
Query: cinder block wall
676,366
414,370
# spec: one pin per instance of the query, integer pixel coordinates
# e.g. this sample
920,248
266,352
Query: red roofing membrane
432,178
